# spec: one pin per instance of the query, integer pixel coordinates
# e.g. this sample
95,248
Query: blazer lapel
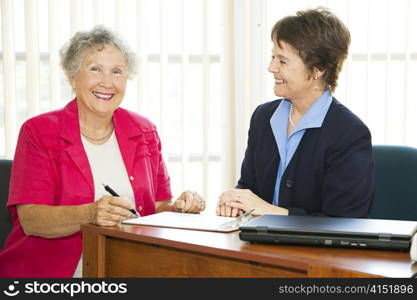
272,167
70,131
126,132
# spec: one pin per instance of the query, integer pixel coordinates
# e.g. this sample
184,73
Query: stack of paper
186,221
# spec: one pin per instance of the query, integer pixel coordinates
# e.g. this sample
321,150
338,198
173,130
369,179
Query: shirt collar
314,116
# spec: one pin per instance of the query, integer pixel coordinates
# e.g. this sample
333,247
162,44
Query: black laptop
329,231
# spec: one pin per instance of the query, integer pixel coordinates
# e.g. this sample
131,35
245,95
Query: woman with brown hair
307,154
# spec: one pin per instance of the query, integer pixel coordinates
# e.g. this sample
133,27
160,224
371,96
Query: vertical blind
180,83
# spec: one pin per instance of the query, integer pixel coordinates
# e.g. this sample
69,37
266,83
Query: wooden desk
140,251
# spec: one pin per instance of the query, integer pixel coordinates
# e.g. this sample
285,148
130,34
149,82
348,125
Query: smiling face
100,83
292,79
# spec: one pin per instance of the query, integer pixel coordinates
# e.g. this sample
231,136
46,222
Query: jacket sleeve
32,180
163,181
348,182
247,178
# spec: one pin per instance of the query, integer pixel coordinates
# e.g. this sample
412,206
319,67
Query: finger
116,210
191,204
226,196
228,211
114,217
188,201
200,203
107,219
179,205
234,211
238,205
106,208
121,202
218,210
103,201
106,223
219,204
223,210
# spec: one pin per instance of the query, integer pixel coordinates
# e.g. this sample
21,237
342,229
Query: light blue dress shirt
287,145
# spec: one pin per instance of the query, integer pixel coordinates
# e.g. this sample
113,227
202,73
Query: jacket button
288,183
140,208
131,178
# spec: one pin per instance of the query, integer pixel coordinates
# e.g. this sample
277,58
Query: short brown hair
321,39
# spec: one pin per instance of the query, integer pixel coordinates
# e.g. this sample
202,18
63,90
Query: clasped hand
189,202
234,202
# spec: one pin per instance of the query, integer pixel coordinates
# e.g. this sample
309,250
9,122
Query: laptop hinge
262,229
384,236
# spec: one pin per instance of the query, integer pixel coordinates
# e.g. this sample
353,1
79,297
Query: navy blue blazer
330,174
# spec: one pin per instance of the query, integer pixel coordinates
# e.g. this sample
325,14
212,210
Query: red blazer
51,167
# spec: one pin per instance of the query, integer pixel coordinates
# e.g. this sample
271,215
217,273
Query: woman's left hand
245,200
189,202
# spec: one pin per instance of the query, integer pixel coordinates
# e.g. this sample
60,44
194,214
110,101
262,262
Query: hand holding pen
110,210
113,193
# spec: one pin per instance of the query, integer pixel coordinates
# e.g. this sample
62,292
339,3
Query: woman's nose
273,67
106,81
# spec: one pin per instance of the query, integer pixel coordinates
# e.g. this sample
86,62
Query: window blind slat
185,60
229,144
141,55
387,69
54,68
98,11
9,81
76,14
206,99
163,66
408,102
120,15
32,56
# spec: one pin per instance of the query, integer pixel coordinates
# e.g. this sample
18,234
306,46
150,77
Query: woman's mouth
103,97
279,81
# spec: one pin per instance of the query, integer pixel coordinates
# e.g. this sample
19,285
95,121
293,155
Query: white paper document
186,221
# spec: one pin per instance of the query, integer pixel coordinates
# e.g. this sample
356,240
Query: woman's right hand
110,211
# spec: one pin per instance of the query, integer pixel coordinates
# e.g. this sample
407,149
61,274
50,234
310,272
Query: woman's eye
282,62
94,68
117,72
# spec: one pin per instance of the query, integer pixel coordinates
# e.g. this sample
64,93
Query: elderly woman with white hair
63,158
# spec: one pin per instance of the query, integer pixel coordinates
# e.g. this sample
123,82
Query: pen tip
104,184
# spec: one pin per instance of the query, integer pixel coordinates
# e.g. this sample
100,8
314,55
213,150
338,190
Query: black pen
113,193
